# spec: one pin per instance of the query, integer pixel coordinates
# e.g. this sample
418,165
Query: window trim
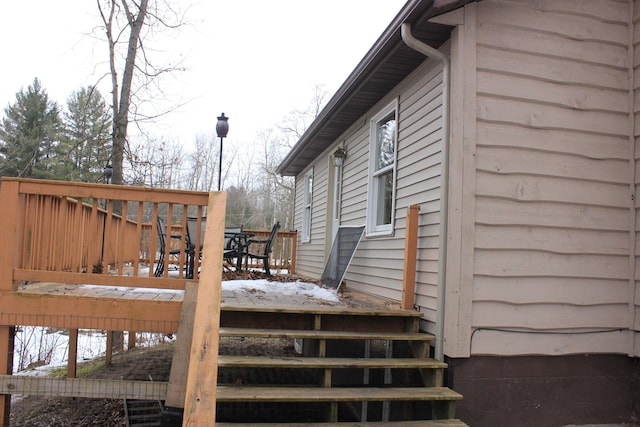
307,205
373,186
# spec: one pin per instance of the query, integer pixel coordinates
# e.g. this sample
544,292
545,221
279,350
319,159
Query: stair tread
332,394
143,416
144,408
326,310
326,362
303,333
420,423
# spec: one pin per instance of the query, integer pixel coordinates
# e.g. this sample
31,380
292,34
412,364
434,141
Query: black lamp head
108,172
222,127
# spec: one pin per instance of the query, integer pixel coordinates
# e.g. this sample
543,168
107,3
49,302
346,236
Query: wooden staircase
356,368
142,413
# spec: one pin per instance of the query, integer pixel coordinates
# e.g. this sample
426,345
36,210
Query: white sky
254,60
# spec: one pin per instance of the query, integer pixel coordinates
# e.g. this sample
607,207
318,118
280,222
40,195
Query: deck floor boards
246,300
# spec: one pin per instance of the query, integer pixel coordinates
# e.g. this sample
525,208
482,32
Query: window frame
374,196
307,205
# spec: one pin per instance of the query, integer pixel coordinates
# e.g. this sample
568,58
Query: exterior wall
378,263
311,259
551,261
542,247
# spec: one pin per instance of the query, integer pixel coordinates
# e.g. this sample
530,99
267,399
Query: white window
306,215
382,171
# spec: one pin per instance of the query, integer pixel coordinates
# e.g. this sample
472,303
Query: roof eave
387,44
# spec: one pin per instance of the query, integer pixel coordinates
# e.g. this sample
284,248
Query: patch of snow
284,288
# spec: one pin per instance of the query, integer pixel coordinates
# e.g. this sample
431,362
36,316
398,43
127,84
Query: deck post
176,389
10,216
294,254
202,375
108,352
72,363
410,254
6,368
9,224
131,342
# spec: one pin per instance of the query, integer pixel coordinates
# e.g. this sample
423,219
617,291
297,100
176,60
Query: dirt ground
136,364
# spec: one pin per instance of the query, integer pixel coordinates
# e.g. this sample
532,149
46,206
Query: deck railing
102,234
283,255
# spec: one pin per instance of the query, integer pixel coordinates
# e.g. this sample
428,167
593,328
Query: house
513,126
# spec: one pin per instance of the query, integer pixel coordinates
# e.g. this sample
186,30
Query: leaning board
342,250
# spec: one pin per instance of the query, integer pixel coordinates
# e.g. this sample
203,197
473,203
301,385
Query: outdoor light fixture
222,127
338,157
108,173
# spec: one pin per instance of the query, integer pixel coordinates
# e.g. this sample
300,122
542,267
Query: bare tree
298,120
279,190
201,162
157,164
126,25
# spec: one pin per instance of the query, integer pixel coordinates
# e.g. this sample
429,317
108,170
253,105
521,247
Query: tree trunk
122,100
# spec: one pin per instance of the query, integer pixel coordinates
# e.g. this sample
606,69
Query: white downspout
430,52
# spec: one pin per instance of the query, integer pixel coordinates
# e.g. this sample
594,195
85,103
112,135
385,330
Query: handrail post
202,373
9,223
9,258
410,255
294,253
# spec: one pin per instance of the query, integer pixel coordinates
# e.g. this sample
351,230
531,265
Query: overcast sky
254,60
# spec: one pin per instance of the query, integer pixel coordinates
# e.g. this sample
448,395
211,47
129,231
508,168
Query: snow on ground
285,288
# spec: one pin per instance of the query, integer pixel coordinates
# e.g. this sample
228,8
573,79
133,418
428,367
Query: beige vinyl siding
354,177
635,287
378,264
311,259
551,257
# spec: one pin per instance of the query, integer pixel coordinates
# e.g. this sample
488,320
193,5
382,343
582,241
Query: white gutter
431,52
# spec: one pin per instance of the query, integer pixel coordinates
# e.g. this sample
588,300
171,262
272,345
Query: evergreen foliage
30,135
37,140
87,137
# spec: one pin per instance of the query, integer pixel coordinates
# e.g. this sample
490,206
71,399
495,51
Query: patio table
236,242
240,242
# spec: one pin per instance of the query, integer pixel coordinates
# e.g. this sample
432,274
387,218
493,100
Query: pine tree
87,140
29,135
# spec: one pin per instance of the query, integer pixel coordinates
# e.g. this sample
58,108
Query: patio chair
231,249
260,249
192,233
162,237
233,246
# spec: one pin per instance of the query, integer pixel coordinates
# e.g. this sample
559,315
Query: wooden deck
79,258
244,300
251,313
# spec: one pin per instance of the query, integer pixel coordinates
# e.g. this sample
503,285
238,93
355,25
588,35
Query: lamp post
108,173
222,127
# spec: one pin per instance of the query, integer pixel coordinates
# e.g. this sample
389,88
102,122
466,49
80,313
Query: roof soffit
385,65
